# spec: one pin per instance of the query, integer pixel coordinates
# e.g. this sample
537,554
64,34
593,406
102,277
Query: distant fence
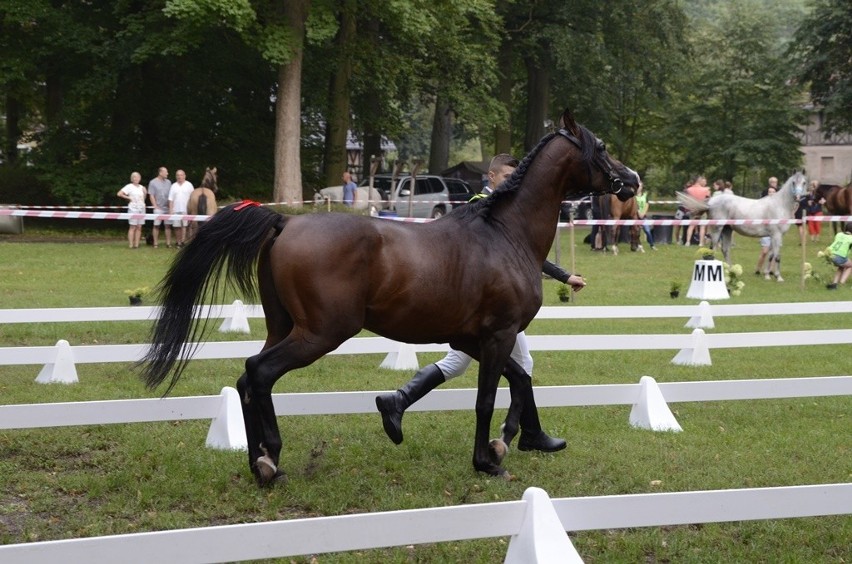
60,360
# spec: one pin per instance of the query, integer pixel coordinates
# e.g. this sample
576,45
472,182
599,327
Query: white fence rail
537,525
141,313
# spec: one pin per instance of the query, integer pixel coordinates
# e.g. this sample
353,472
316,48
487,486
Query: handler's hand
576,282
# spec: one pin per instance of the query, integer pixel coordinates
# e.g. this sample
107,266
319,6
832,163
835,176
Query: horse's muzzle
624,194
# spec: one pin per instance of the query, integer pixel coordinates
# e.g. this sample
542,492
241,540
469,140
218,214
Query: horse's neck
534,212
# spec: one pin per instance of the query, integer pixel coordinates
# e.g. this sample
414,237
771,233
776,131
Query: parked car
581,208
433,195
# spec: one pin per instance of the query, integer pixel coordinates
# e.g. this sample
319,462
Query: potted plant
564,293
705,253
674,289
135,295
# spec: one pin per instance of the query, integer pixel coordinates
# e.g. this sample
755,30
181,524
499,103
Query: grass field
87,481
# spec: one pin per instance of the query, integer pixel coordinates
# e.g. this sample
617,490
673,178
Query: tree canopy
269,91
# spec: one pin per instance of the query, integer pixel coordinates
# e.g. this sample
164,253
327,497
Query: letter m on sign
698,273
714,273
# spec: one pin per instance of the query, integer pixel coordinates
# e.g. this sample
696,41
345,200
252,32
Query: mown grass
95,480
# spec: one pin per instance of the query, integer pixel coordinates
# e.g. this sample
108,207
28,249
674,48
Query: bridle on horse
616,185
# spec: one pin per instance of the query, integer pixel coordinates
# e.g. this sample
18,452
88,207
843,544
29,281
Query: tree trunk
503,131
538,98
439,151
13,130
337,125
288,112
372,148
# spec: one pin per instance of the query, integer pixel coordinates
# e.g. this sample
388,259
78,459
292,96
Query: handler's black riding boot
532,436
393,406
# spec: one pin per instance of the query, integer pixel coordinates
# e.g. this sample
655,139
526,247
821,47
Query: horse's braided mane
484,206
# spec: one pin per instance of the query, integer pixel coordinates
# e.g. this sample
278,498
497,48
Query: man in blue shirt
349,188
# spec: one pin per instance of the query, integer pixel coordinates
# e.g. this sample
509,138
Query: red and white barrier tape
579,222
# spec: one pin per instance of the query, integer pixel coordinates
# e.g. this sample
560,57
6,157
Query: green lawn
87,481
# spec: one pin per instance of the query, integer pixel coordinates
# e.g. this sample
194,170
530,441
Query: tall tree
738,115
823,50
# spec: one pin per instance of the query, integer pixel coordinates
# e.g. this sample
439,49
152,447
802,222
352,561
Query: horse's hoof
497,450
265,470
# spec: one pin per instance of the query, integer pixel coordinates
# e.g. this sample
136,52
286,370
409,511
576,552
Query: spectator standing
814,209
700,192
179,195
840,256
158,193
642,209
349,189
135,194
772,183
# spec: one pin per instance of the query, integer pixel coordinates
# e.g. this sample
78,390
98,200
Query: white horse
780,205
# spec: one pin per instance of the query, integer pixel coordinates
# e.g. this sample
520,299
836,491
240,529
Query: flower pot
674,293
135,300
564,298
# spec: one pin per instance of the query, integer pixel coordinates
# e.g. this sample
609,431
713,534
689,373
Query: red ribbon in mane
245,204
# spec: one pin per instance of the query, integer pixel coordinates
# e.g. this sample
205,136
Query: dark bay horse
838,201
202,201
613,208
471,279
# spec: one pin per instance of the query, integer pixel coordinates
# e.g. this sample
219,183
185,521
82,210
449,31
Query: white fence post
698,355
227,431
542,538
62,370
651,410
405,358
704,319
238,322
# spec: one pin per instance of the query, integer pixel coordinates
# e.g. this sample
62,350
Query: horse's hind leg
262,371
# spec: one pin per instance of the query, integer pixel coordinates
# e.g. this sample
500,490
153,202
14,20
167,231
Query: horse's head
798,183
210,179
613,177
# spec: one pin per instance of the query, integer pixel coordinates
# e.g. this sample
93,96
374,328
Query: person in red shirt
701,192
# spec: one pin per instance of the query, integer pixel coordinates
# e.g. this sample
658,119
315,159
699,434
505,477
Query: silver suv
433,196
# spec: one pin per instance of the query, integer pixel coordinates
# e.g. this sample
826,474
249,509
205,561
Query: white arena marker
238,322
651,410
403,359
698,354
704,319
542,539
62,370
227,431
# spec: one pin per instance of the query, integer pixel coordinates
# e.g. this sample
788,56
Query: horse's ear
567,122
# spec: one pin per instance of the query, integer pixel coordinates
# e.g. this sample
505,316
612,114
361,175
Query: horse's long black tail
231,238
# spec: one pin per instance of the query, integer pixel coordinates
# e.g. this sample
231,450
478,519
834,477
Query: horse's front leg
491,363
776,256
499,448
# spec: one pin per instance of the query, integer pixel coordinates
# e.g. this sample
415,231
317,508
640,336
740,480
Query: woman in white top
135,195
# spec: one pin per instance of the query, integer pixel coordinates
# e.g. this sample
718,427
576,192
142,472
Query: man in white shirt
179,195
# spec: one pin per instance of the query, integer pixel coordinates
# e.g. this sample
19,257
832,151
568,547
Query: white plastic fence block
698,354
651,410
227,431
62,370
704,319
542,538
403,359
238,322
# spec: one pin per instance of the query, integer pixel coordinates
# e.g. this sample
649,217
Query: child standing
840,256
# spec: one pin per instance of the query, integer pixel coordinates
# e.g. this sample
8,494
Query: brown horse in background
471,279
838,201
202,201
613,208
